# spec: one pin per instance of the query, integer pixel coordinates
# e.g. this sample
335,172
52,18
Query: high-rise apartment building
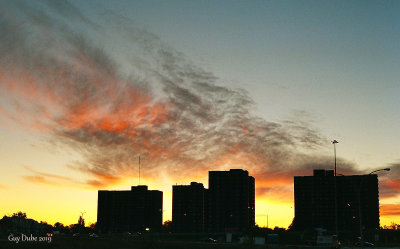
314,198
231,201
129,211
188,207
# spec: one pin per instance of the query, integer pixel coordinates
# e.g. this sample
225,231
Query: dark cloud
394,170
113,101
390,181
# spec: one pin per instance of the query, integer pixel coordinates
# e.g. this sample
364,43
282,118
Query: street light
385,169
334,142
359,205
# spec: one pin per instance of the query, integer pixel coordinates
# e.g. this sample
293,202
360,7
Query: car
208,240
93,235
365,243
211,240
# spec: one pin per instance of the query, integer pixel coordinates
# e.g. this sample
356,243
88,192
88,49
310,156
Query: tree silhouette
92,226
19,215
392,226
81,221
58,225
80,226
167,226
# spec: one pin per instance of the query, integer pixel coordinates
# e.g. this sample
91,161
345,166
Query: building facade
129,211
230,202
188,207
314,198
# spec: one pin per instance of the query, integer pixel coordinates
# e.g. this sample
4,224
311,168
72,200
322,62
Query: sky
192,86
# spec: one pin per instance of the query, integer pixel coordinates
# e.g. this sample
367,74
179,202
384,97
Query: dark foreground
99,243
118,243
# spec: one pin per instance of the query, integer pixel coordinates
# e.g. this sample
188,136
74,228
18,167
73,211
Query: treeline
392,226
20,223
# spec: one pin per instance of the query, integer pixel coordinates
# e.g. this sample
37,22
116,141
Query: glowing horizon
273,207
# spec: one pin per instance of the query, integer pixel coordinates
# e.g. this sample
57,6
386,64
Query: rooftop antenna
139,170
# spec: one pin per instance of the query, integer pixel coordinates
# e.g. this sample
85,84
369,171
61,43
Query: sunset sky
86,87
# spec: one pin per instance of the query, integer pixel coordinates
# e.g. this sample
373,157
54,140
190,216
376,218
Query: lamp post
359,205
334,142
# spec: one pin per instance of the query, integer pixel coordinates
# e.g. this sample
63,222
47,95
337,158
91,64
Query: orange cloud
176,117
389,187
389,209
39,179
53,180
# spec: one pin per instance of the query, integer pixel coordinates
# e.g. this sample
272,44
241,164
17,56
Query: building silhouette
230,204
314,198
129,211
227,206
188,207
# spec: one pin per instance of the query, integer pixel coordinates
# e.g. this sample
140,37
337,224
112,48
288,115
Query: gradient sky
193,86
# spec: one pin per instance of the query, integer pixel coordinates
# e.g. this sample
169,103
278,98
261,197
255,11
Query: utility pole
334,142
139,170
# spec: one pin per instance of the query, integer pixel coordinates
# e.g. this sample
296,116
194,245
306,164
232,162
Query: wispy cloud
144,98
54,180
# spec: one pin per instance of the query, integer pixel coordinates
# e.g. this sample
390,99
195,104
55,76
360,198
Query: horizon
85,90
164,220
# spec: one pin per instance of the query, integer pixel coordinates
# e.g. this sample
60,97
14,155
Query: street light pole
334,142
359,205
